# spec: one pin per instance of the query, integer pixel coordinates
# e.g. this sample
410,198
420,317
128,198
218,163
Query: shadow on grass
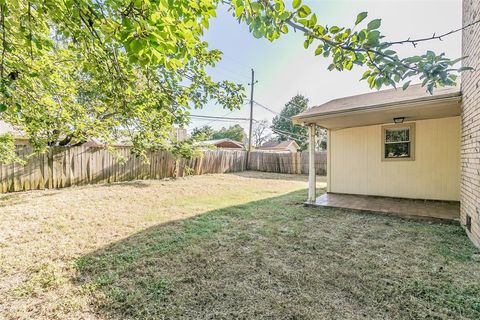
276,259
131,183
273,176
14,198
136,277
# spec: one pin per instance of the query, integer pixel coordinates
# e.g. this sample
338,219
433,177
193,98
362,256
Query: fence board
287,162
64,167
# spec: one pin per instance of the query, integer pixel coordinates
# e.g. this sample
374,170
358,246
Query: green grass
275,258
264,256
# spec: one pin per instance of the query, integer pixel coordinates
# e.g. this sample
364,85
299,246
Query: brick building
470,135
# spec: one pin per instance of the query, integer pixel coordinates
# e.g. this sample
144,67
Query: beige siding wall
357,168
470,155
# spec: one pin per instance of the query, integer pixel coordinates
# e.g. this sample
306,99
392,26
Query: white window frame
411,134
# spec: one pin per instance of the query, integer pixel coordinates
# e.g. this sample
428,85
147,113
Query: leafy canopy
283,126
75,69
361,45
202,133
234,132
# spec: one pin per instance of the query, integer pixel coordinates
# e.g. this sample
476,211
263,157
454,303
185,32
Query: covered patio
391,151
427,209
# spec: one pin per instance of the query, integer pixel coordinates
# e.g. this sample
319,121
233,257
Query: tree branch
414,42
4,41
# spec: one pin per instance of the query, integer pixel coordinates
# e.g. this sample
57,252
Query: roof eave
303,118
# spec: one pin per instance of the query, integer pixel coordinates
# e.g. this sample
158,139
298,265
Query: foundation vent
468,223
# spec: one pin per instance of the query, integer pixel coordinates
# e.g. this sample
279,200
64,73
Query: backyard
228,246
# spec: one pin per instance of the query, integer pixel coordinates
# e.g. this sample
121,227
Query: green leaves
304,11
349,47
82,69
256,7
7,150
373,38
313,21
360,17
374,24
282,123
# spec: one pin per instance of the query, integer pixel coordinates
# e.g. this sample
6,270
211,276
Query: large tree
234,132
283,126
75,69
202,133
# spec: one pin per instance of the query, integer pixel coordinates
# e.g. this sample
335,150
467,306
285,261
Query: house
280,146
20,137
393,143
222,144
408,144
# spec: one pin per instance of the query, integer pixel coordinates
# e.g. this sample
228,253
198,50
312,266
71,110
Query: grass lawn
236,246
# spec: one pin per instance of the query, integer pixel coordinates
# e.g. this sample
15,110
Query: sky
285,68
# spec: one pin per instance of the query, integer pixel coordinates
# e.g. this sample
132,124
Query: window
398,142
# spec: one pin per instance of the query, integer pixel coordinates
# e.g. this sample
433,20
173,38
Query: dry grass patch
225,247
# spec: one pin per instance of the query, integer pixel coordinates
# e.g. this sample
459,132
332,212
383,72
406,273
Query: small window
398,142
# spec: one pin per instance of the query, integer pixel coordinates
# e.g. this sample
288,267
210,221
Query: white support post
311,163
329,162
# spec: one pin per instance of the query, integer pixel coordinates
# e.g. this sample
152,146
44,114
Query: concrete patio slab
429,209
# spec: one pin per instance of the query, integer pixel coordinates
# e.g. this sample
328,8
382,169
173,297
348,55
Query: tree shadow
276,259
277,176
177,269
131,183
10,199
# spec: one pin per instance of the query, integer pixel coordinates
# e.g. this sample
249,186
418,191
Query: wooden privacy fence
287,162
65,167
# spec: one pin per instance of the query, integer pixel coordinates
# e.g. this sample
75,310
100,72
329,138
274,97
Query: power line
224,69
226,114
266,108
272,111
287,133
219,120
275,112
224,56
215,117
227,76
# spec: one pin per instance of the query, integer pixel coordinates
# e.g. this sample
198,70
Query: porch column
311,163
329,161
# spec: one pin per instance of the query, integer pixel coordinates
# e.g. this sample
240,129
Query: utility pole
252,84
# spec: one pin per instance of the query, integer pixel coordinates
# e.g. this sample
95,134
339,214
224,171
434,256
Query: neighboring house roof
398,102
120,142
8,128
269,144
279,145
223,143
179,134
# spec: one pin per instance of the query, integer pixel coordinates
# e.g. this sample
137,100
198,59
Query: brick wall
470,139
